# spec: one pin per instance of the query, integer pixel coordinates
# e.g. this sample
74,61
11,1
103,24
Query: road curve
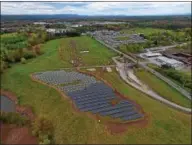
168,81
150,93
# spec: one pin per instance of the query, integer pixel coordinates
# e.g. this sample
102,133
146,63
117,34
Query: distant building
183,57
76,25
168,61
39,23
150,54
52,30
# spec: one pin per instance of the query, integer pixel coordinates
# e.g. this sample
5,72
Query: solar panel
111,108
86,98
90,108
94,92
92,101
124,113
123,109
88,105
132,117
89,94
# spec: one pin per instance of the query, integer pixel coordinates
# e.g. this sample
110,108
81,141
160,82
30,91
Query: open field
162,88
97,55
165,125
8,35
123,38
146,31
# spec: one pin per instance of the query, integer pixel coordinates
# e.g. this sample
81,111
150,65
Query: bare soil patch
11,134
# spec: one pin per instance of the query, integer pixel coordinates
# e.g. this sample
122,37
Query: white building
168,61
76,25
40,23
150,54
56,30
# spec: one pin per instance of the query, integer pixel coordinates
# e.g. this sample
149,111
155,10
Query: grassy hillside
163,89
165,124
97,55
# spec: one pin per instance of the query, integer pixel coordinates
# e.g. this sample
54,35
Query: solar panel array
90,95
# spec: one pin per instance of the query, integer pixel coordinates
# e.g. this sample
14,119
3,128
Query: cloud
96,8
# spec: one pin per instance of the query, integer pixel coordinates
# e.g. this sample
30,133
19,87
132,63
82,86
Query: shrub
10,56
44,139
17,55
23,60
13,118
3,66
29,54
43,129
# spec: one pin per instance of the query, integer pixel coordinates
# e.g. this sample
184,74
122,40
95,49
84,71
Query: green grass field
97,55
163,89
8,35
184,72
166,125
146,31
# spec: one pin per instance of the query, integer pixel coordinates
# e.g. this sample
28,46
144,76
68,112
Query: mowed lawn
165,124
163,88
97,55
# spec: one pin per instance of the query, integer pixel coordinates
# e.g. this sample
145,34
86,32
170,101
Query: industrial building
150,54
168,61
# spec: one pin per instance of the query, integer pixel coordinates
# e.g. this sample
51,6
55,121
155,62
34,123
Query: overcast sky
97,8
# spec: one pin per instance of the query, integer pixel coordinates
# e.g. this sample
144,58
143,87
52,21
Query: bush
29,54
13,118
37,50
10,56
23,60
44,139
43,129
3,66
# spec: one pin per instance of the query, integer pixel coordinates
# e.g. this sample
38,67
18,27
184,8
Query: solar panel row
123,109
133,117
122,114
90,108
93,96
90,95
93,101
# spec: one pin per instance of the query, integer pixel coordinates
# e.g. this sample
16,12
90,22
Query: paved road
177,87
147,91
163,48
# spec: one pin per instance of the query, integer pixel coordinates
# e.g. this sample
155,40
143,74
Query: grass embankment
163,88
97,55
180,77
165,124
